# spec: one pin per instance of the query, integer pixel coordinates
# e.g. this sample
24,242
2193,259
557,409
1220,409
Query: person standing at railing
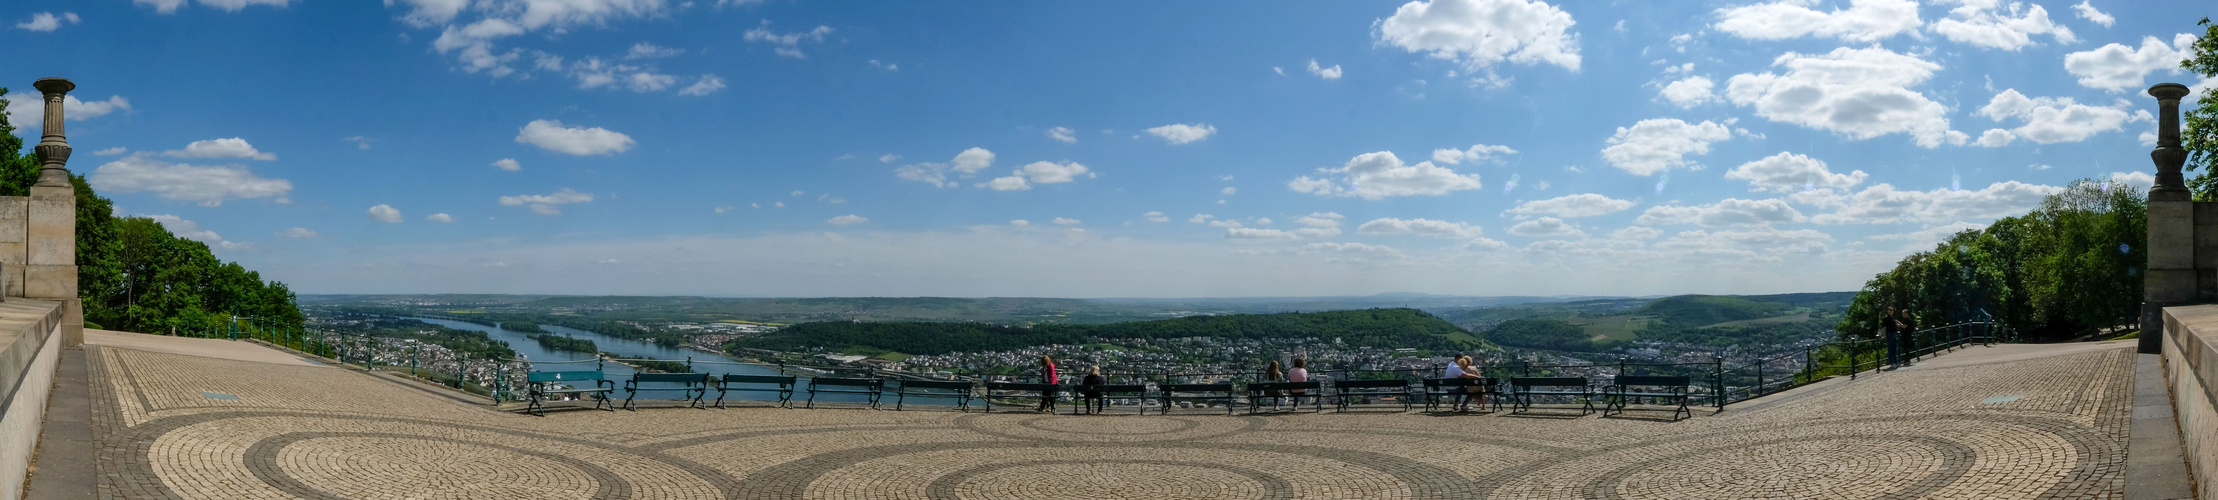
1891,330
1300,373
1047,376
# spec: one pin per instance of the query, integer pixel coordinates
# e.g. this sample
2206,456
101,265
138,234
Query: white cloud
1636,233
1228,190
161,6
2002,25
171,6
1883,204
1180,133
644,50
1484,245
577,141
1419,227
888,158
1788,173
426,13
1548,228
708,84
847,220
965,164
649,82
1373,176
1862,21
1320,220
1482,33
47,21
546,204
112,151
885,65
1332,73
385,213
1661,144
1860,93
1731,212
441,218
298,232
508,164
1065,221
208,186
1689,92
220,148
1572,207
1010,183
360,142
2048,120
1477,153
1199,218
1754,245
1039,172
1155,217
1226,223
1064,134
1925,239
2088,12
1233,231
786,44
2116,67
190,230
1020,223
2135,180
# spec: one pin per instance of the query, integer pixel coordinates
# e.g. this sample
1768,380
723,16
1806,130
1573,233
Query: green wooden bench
1626,387
1258,391
1345,391
1524,389
1437,389
872,387
536,388
1107,391
695,385
1036,391
958,390
780,384
1201,393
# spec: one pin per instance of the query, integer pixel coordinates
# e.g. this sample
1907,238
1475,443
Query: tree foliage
2199,129
2071,266
1545,333
1388,328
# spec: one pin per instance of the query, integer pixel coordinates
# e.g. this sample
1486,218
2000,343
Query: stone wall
2191,368
30,347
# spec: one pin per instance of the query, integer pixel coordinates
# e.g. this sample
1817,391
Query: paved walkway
172,425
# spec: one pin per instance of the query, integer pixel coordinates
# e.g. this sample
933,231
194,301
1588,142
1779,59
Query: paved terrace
217,419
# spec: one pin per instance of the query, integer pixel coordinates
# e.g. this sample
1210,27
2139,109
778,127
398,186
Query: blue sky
778,148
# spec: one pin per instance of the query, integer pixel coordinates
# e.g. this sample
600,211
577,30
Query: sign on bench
1201,393
539,387
1045,393
1437,389
871,387
1259,391
1528,388
957,390
695,386
1347,390
1626,387
780,384
1102,393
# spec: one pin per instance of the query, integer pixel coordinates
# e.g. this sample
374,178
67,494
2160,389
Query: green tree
2199,133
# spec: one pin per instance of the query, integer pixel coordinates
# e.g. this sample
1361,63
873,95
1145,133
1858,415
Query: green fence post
1809,365
1718,369
458,358
414,356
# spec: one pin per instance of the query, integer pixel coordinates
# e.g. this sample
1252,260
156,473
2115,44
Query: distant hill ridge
1386,328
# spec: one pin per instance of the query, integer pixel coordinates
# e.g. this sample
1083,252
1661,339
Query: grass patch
1620,328
892,356
2128,335
1774,320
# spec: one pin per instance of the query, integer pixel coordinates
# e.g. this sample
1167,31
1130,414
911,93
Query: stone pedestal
2172,278
50,271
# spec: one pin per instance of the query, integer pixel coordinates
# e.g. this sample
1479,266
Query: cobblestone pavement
172,425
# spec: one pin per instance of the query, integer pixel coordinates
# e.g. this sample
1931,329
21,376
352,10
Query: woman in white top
1454,371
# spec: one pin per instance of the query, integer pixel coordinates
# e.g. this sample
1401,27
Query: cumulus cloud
171,6
1065,221
1477,153
708,84
1020,223
1155,217
1883,204
441,218
786,44
1374,176
1234,232
1757,245
1689,92
1788,173
205,185
965,164
1320,219
1064,134
1039,172
1482,33
111,151
2136,180
385,213
1996,24
644,50
298,232
1860,93
1731,212
191,230
1862,21
47,21
2088,12
1332,73
577,141
2048,120
847,220
1636,233
220,148
1571,207
1547,228
2116,67
508,164
1419,227
1661,144
1180,133
546,204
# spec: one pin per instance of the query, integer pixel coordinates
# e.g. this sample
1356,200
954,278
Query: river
550,360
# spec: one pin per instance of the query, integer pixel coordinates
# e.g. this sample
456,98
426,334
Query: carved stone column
51,273
2171,278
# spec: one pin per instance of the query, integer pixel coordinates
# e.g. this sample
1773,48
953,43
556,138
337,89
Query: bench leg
719,398
785,399
812,400
536,407
602,402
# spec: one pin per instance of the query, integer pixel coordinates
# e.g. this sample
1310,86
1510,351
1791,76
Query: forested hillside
1390,328
134,275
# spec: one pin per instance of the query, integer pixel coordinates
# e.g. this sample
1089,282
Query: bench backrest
848,382
1170,388
1462,382
563,376
911,385
1629,380
1283,386
674,378
783,380
1114,388
1022,386
1548,381
1369,384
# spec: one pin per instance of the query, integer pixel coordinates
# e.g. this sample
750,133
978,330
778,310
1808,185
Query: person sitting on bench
1090,388
1300,373
1469,371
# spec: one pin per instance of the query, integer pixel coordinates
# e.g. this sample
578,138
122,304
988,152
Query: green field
1801,316
1620,328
